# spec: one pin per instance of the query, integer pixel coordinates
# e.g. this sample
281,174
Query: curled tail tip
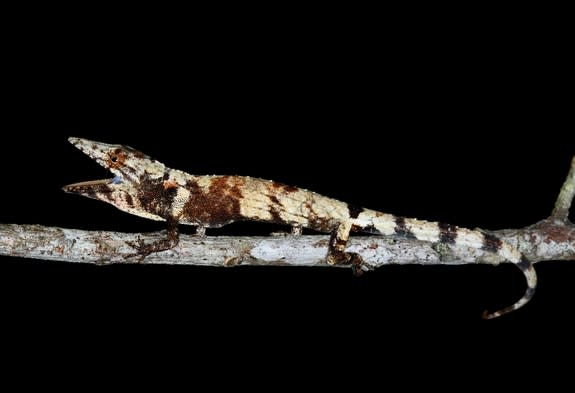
492,315
489,315
523,301
531,276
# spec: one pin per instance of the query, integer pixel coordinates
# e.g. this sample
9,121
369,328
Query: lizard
145,187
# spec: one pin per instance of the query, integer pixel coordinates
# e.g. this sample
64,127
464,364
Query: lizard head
128,166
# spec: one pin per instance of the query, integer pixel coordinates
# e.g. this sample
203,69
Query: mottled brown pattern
154,198
491,243
234,185
275,209
129,200
216,206
89,189
401,228
447,233
279,187
322,224
370,229
554,232
109,196
193,187
274,200
288,188
354,210
318,222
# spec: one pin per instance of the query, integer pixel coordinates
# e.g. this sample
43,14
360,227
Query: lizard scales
147,188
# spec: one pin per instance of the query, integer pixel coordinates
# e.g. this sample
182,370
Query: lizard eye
117,156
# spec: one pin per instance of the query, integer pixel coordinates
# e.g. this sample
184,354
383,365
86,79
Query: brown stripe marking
354,211
275,209
370,228
217,206
491,243
282,188
401,228
447,233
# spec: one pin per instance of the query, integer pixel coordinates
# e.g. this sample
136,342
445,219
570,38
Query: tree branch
546,240
550,239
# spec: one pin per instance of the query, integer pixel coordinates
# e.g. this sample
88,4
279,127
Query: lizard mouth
91,186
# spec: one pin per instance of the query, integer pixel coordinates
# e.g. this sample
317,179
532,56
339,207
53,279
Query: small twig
565,198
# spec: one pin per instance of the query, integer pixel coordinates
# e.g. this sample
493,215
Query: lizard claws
356,263
141,247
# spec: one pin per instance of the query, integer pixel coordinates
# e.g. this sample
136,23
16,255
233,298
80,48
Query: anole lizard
147,188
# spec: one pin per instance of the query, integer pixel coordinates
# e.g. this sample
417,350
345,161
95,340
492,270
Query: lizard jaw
126,163
90,187
99,152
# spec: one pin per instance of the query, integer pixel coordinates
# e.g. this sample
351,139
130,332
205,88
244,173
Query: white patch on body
182,196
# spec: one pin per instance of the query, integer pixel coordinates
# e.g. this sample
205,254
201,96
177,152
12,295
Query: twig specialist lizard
147,188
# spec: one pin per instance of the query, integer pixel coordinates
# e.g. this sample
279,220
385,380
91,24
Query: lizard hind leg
336,254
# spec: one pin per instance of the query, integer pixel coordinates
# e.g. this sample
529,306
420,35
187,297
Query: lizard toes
141,250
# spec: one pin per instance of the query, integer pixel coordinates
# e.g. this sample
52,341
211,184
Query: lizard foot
352,259
144,249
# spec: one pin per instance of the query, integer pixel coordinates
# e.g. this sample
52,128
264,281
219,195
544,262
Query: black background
466,126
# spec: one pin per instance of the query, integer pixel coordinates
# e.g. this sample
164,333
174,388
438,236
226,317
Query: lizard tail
387,224
531,276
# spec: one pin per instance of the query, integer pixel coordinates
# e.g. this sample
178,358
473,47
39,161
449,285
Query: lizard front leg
336,254
200,231
296,230
143,250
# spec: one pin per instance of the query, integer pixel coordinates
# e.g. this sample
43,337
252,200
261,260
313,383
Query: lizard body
145,187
